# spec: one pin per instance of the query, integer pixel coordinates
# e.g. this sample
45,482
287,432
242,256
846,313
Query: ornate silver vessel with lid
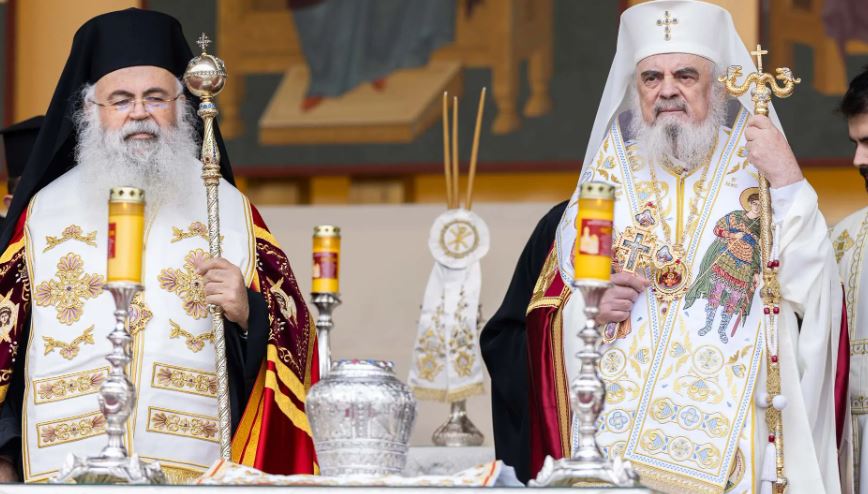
361,417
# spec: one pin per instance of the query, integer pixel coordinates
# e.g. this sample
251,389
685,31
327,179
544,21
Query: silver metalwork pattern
205,77
361,417
325,304
458,430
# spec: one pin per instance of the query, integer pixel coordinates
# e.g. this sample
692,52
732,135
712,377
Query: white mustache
668,105
140,127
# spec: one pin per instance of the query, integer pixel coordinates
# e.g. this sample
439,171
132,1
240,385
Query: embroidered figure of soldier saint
729,273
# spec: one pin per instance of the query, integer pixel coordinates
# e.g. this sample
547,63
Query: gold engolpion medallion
670,281
669,275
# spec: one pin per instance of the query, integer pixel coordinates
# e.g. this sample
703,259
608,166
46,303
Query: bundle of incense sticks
451,163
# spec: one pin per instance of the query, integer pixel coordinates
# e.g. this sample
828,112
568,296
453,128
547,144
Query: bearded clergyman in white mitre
684,354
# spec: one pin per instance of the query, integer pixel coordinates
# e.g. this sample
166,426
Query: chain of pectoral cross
689,226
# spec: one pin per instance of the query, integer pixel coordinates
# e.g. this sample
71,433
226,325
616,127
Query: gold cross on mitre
667,22
203,42
762,85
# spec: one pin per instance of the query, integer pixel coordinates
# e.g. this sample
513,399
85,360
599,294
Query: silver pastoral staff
205,77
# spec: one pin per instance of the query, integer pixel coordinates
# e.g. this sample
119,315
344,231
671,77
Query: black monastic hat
106,43
18,141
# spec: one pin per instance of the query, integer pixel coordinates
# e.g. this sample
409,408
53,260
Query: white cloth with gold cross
173,367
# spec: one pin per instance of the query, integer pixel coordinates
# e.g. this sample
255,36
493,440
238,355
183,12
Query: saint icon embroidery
8,317
729,273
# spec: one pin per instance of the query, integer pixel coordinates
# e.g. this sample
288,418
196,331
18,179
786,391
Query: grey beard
688,142
164,167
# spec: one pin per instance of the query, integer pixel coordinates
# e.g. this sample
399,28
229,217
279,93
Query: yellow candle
593,250
126,228
326,259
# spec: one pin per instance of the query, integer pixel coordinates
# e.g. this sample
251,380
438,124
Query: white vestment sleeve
811,291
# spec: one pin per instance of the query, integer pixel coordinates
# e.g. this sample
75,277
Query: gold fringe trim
180,476
661,480
429,394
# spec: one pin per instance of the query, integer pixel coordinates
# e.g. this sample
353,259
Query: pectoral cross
667,22
634,248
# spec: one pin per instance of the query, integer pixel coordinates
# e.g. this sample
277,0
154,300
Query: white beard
669,136
165,167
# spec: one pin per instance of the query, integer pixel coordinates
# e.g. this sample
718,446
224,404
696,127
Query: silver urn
361,417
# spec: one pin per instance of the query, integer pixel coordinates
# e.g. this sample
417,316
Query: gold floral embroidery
185,380
858,347
431,347
842,244
139,314
859,405
689,417
69,350
182,424
188,284
72,232
68,291
462,340
194,343
70,429
68,386
680,449
196,229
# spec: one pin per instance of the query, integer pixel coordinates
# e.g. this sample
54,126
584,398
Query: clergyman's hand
7,471
224,286
769,151
617,302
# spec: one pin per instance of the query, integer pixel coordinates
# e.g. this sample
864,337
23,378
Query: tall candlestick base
587,465
325,304
117,399
458,430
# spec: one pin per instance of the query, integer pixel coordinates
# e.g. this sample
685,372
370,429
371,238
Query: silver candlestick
325,303
587,463
459,430
117,398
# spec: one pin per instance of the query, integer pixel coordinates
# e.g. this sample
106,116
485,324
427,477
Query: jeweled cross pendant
634,248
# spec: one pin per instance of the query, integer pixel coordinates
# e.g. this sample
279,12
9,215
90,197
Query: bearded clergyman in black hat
120,117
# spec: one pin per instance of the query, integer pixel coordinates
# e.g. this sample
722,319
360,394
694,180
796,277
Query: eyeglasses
150,103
